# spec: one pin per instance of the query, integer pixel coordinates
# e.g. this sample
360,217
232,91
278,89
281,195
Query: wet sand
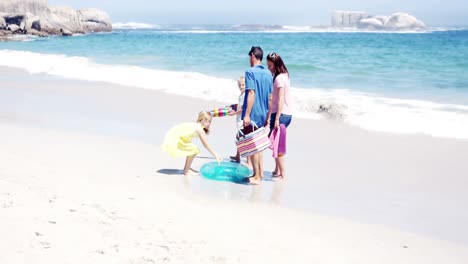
83,174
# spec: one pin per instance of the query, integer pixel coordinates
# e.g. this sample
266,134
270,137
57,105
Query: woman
279,111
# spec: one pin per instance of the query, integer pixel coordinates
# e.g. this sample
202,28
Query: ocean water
399,82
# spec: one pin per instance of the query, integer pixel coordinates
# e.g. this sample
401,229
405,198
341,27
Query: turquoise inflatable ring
225,171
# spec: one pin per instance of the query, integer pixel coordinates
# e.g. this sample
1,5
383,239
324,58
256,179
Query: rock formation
37,7
347,18
37,18
94,20
359,19
403,21
332,110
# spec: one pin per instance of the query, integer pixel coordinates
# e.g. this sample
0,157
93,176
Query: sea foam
133,25
366,110
247,29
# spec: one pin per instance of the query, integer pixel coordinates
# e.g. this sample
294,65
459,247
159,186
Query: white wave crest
365,110
185,83
134,25
377,113
203,29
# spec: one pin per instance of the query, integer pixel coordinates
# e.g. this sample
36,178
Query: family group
264,102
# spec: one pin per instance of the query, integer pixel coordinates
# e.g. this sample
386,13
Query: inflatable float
225,171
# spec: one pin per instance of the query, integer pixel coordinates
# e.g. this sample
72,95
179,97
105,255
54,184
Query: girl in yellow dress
178,140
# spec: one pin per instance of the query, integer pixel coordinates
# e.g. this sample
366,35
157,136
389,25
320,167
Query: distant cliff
362,20
37,18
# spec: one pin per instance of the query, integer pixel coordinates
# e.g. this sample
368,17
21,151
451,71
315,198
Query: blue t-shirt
260,80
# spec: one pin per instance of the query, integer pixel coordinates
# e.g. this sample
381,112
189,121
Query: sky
290,12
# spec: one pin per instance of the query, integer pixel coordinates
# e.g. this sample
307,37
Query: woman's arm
280,105
267,121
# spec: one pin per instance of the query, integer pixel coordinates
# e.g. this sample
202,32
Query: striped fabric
253,142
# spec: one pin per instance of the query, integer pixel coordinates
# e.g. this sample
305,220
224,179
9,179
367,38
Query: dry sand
83,180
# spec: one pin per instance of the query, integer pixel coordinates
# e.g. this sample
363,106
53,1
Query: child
178,141
238,113
234,109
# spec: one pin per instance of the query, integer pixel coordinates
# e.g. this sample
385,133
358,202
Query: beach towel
278,141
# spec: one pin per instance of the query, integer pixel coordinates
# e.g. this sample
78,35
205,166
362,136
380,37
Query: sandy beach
83,180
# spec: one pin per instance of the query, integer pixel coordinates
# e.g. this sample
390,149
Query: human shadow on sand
170,171
227,178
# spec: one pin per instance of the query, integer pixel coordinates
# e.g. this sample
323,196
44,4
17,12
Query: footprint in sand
53,199
6,201
44,244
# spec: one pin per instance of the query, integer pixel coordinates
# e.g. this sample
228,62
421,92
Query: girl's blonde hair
204,115
241,80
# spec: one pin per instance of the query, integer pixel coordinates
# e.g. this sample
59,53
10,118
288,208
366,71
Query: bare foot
253,180
277,177
190,172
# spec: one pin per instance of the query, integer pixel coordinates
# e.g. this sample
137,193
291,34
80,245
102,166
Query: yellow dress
178,140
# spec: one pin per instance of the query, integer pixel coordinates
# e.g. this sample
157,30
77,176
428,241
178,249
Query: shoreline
93,150
387,110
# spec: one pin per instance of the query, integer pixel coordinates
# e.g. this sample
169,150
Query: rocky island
36,17
362,20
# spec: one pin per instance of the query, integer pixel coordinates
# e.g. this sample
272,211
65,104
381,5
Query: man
258,87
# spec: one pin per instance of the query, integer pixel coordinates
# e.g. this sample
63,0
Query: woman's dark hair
280,67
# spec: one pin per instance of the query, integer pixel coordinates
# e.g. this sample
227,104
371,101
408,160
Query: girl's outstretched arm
204,141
